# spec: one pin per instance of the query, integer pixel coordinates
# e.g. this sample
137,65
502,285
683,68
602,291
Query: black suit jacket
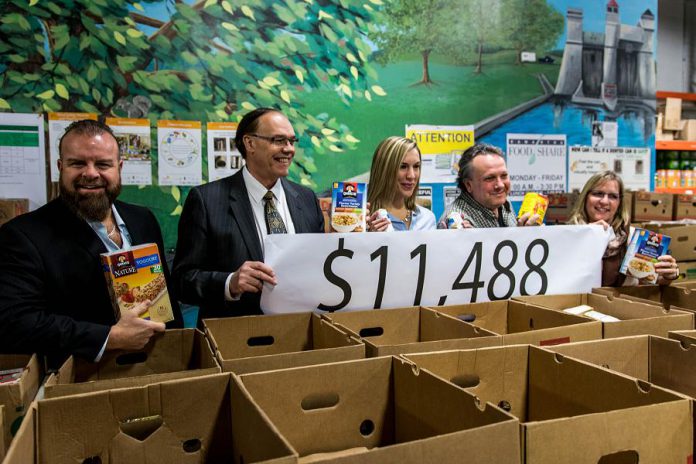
217,234
53,293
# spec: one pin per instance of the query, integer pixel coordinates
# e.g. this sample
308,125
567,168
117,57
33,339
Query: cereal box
137,275
644,247
348,206
534,203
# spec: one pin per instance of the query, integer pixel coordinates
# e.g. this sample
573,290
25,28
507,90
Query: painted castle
615,69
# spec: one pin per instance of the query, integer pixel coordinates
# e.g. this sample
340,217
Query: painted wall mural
347,73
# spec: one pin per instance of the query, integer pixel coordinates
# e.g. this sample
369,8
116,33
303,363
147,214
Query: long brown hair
622,218
385,166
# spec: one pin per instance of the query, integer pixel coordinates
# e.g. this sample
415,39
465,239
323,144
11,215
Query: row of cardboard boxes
387,410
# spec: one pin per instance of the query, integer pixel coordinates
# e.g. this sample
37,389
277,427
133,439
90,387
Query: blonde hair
622,218
386,163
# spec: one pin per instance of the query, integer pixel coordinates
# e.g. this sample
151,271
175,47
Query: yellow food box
136,275
534,203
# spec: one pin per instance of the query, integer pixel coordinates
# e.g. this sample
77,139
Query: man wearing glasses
484,184
219,254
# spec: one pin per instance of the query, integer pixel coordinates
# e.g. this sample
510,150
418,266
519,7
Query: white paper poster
450,194
632,164
424,197
135,145
440,147
333,272
57,123
223,158
605,134
23,157
536,163
179,153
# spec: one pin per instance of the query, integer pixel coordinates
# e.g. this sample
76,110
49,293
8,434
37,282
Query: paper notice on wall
450,194
57,123
23,157
632,164
223,158
179,153
424,197
605,134
440,147
135,145
536,163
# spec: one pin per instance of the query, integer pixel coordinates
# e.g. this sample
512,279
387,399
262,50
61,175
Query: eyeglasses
598,194
278,140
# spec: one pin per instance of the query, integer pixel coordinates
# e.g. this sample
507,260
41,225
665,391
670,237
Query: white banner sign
332,272
537,163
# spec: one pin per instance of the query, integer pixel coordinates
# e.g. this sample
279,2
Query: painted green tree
531,25
212,60
422,26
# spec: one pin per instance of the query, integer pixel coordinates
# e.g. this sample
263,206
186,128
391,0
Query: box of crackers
136,275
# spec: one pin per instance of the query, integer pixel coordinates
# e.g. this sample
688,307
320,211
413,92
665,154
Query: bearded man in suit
219,255
54,299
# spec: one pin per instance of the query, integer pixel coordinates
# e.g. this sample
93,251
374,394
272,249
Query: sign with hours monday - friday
342,272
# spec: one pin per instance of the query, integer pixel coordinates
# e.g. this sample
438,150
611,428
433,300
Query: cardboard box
688,131
12,207
650,206
684,207
518,322
379,410
665,363
174,354
687,270
184,420
560,206
637,318
263,343
683,245
673,109
665,295
17,396
571,411
411,330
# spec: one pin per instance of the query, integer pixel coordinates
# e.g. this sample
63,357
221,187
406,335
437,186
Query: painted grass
458,97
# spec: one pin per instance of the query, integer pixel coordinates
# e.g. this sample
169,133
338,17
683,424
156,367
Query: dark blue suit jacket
53,294
217,234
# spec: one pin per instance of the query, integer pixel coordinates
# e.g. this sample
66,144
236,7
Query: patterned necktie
274,223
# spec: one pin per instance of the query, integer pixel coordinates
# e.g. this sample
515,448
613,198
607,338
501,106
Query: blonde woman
394,180
602,202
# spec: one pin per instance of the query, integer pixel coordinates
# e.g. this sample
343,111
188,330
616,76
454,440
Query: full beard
92,207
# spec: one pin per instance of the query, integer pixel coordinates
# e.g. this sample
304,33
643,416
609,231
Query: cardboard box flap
382,327
22,450
558,388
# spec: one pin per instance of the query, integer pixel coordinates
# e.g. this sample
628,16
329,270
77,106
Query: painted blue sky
594,12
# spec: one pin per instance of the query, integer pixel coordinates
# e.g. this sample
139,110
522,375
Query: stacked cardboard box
174,354
260,343
571,411
560,206
651,206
